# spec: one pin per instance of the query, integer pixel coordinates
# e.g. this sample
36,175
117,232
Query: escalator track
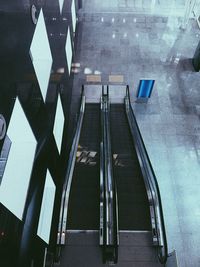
83,211
132,198
110,184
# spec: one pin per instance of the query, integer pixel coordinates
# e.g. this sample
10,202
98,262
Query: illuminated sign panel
17,173
41,55
73,11
68,50
59,124
61,2
44,226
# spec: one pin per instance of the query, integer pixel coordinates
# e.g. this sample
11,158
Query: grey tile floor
141,44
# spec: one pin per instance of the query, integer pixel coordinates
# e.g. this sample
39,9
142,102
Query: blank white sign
61,2
59,124
44,226
73,11
15,182
41,54
68,50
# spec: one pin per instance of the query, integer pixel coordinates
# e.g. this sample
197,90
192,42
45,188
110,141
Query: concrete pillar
196,58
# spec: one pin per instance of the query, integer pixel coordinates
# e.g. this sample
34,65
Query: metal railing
151,184
69,174
109,237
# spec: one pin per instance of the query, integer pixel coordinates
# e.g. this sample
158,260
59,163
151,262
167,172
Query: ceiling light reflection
87,71
97,72
60,70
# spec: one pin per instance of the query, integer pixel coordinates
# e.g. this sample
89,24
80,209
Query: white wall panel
73,11
40,53
68,50
44,226
15,182
59,124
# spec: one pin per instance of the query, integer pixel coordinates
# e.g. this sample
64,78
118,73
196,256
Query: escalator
83,210
132,198
110,196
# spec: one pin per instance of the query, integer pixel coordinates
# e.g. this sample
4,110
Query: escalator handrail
110,238
69,174
153,184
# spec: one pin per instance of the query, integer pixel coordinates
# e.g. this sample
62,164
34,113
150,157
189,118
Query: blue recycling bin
145,88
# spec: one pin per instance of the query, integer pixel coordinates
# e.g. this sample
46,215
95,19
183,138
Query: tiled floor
137,6
123,38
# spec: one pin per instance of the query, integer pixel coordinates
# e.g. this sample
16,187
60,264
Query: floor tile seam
121,12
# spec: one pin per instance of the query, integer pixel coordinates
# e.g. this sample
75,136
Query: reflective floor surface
164,7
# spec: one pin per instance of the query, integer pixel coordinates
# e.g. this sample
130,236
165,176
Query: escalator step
132,198
83,211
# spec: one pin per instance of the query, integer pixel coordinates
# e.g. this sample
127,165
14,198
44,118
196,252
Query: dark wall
19,243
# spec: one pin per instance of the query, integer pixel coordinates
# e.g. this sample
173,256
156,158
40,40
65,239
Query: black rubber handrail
109,239
151,183
69,174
